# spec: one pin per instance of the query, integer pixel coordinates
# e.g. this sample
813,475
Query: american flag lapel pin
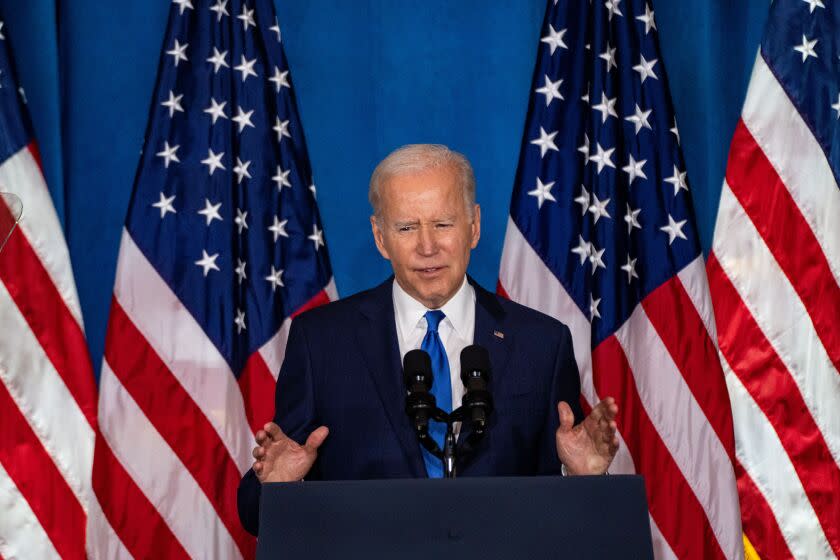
499,334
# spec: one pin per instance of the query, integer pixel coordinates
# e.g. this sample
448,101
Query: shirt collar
408,311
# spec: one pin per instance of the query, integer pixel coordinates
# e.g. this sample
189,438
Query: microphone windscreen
475,358
417,363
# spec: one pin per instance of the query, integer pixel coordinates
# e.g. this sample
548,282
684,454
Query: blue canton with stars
601,190
224,204
801,46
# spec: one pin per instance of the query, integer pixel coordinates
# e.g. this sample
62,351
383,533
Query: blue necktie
441,388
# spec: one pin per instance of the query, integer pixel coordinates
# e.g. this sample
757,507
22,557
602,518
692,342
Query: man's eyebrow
408,223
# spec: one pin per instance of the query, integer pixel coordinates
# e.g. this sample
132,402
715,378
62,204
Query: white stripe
759,450
797,158
21,175
696,283
44,400
182,344
102,541
158,471
661,549
21,534
774,304
684,428
331,290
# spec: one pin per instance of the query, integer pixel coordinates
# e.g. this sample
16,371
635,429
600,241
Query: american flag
601,236
775,280
222,246
47,391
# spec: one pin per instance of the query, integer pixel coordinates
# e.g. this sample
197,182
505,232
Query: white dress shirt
456,330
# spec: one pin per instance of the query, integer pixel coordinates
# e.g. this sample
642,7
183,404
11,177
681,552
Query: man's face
427,233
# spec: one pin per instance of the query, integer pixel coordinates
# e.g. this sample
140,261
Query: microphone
475,374
419,403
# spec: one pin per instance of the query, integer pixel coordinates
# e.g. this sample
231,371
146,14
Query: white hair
416,158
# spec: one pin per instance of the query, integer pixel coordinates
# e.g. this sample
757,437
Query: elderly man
340,396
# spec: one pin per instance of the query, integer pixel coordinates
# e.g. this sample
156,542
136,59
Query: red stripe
771,385
757,519
36,155
39,481
500,290
672,503
178,419
132,516
684,334
321,298
58,333
257,386
768,203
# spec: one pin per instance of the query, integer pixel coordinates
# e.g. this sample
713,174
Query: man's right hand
280,458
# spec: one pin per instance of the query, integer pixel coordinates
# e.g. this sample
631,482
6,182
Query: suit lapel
490,333
377,338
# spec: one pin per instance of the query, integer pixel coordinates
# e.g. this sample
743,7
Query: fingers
273,430
567,417
316,438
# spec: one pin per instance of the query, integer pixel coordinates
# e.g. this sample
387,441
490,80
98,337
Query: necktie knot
433,319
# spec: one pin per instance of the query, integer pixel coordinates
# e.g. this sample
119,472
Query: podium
465,518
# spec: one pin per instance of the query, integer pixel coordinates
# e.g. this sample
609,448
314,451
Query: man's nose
426,242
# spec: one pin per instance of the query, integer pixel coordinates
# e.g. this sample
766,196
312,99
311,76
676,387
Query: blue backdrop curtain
370,75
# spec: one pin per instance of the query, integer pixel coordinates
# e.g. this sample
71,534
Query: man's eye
404,228
444,225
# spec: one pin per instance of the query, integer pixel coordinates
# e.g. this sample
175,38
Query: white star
543,192
178,52
276,29
836,106
634,169
630,269
278,228
275,278
241,170
647,19
282,178
585,97
213,161
640,118
240,270
218,60
676,130
281,128
545,142
243,119
280,79
584,148
312,188
2,35
645,68
246,67
674,229
247,17
807,48
207,262
599,208
606,107
183,5
173,103
554,39
602,157
211,211
612,6
593,307
678,180
582,250
220,9
216,110
583,200
813,5
596,258
317,236
551,90
632,219
169,154
165,205
240,321
241,220
609,56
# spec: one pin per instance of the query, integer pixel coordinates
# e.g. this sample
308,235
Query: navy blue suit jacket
342,369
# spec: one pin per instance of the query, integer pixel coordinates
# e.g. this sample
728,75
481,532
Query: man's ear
378,237
476,227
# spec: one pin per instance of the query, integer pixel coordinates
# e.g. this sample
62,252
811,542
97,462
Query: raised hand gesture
589,447
281,459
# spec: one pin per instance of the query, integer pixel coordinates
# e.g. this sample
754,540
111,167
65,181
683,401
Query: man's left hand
589,447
